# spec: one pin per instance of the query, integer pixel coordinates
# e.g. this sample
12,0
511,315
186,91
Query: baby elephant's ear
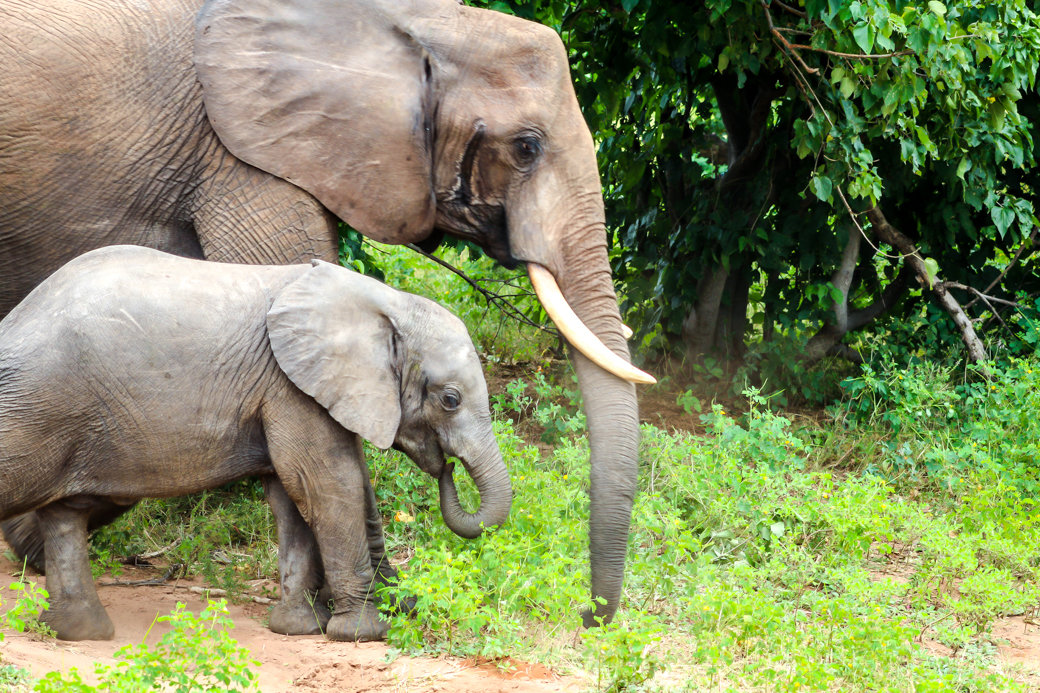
331,336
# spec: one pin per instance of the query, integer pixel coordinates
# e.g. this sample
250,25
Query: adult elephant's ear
331,95
330,334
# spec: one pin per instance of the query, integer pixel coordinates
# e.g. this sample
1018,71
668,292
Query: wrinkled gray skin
131,373
239,130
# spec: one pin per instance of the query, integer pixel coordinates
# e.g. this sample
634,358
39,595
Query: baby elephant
131,373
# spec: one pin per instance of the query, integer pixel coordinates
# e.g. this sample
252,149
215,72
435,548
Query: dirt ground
300,663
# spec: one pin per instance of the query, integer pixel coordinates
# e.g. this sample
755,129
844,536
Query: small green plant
556,410
448,600
14,679
515,399
623,651
689,402
197,654
31,601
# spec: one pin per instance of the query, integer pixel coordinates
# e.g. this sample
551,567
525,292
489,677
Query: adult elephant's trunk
611,412
492,479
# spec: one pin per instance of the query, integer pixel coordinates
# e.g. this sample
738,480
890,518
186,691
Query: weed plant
196,654
879,551
24,616
753,564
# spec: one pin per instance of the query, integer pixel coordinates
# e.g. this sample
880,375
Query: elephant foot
80,621
358,627
23,535
300,619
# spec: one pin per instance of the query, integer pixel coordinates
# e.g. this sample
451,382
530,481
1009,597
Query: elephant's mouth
428,456
481,223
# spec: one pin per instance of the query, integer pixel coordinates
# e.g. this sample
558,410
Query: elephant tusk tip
642,378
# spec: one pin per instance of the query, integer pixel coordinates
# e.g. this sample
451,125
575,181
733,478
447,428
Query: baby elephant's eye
451,400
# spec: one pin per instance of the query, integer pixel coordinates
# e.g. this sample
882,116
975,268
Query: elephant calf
131,373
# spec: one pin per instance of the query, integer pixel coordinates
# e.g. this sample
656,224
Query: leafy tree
799,171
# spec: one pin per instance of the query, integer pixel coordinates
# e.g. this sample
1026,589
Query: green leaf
629,5
1003,217
821,187
931,268
963,167
864,36
937,7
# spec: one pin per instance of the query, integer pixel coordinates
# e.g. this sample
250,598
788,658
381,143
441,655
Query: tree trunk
833,332
702,321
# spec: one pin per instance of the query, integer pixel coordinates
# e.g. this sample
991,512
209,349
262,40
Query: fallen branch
171,572
217,592
164,581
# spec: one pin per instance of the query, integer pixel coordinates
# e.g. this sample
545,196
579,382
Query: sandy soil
307,663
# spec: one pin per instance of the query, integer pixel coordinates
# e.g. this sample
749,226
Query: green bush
197,654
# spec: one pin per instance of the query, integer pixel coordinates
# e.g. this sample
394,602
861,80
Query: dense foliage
795,171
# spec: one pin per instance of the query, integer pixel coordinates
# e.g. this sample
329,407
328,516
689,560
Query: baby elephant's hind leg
75,611
302,610
23,535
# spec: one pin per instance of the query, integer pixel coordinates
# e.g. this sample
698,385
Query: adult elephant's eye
526,148
451,400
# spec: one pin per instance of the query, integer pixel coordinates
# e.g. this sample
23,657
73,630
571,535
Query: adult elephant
239,130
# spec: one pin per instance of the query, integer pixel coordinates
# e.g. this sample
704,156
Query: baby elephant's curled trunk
492,480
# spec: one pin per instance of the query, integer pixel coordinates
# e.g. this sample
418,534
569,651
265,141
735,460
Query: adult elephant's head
413,119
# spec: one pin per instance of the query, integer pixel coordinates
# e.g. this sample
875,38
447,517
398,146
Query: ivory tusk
576,332
626,332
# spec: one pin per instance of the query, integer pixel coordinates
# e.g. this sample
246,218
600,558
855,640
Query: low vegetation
874,546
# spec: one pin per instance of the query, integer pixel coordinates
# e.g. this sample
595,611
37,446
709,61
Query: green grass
753,564
873,551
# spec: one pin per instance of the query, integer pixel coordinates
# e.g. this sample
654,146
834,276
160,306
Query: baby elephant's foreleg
326,479
75,611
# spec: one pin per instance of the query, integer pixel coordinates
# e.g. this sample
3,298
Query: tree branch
785,45
491,298
889,234
790,9
859,56
1028,243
